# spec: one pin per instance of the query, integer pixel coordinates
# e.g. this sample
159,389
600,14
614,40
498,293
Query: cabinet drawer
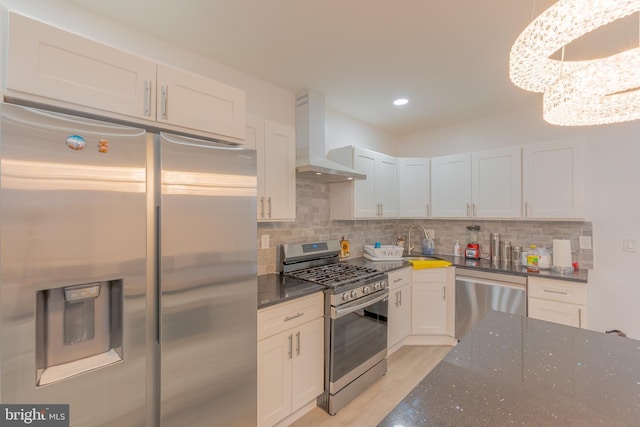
399,278
557,290
430,275
278,318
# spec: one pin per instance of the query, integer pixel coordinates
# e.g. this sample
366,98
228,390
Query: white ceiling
449,57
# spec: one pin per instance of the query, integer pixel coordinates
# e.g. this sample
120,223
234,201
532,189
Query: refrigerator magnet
75,142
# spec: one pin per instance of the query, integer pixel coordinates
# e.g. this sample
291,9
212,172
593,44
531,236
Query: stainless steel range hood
311,162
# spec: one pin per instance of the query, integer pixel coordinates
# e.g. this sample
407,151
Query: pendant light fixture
578,93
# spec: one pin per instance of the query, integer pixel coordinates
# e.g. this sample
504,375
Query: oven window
356,337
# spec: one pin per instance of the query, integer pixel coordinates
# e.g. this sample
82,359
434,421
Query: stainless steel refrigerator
127,273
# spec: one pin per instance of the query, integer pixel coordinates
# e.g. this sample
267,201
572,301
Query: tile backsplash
313,224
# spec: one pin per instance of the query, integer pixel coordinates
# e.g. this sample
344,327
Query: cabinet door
386,185
429,308
558,312
365,204
496,183
399,322
279,171
553,179
46,64
194,102
451,186
308,363
254,138
275,356
414,187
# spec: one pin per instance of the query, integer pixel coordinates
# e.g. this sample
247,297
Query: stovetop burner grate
333,275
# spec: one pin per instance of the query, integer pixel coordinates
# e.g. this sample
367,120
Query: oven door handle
348,310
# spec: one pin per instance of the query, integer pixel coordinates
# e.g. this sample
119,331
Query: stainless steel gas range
355,315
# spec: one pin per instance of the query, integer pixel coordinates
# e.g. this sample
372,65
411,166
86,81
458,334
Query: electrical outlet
585,242
264,241
629,244
431,233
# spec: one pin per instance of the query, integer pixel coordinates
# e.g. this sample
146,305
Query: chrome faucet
424,230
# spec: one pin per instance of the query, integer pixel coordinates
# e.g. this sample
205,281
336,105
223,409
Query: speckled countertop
275,288
516,370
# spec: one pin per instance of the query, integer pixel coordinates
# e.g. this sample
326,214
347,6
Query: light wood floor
405,369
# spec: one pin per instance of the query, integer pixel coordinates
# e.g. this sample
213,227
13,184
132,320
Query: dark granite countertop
516,370
275,288
481,264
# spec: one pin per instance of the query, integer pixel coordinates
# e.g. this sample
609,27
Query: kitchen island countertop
516,370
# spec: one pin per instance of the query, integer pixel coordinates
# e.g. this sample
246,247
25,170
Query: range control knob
383,284
345,296
366,290
354,294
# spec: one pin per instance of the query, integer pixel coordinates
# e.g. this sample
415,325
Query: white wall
612,197
262,99
341,130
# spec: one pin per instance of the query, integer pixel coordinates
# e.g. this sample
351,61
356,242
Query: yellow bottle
344,248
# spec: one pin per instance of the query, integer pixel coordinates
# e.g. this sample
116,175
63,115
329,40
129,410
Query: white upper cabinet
276,168
373,197
451,186
414,187
496,183
553,179
54,67
194,102
484,184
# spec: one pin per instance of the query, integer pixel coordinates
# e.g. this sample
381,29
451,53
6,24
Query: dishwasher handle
490,282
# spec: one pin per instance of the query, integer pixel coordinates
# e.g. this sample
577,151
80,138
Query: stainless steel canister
494,247
516,253
505,251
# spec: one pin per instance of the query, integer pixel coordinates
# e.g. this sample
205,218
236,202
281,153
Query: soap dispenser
457,249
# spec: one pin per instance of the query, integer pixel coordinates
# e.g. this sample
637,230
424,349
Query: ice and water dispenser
78,329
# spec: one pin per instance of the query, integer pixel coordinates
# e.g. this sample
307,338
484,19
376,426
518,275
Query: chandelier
578,93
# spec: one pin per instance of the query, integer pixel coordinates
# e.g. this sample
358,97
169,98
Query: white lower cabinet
399,318
432,301
290,357
558,301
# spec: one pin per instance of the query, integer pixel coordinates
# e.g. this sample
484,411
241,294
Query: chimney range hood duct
311,162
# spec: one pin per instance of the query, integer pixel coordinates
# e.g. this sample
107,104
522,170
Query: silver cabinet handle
381,209
428,209
397,298
400,295
580,317
474,210
444,293
147,97
262,207
269,201
549,291
295,316
290,346
298,343
468,209
399,279
526,209
163,102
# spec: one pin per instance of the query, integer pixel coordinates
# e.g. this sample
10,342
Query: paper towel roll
562,253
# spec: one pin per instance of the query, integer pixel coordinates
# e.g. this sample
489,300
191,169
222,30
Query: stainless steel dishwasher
478,292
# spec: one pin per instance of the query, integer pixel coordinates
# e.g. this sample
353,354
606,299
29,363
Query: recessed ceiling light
401,101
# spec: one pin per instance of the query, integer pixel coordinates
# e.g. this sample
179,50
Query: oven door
358,338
